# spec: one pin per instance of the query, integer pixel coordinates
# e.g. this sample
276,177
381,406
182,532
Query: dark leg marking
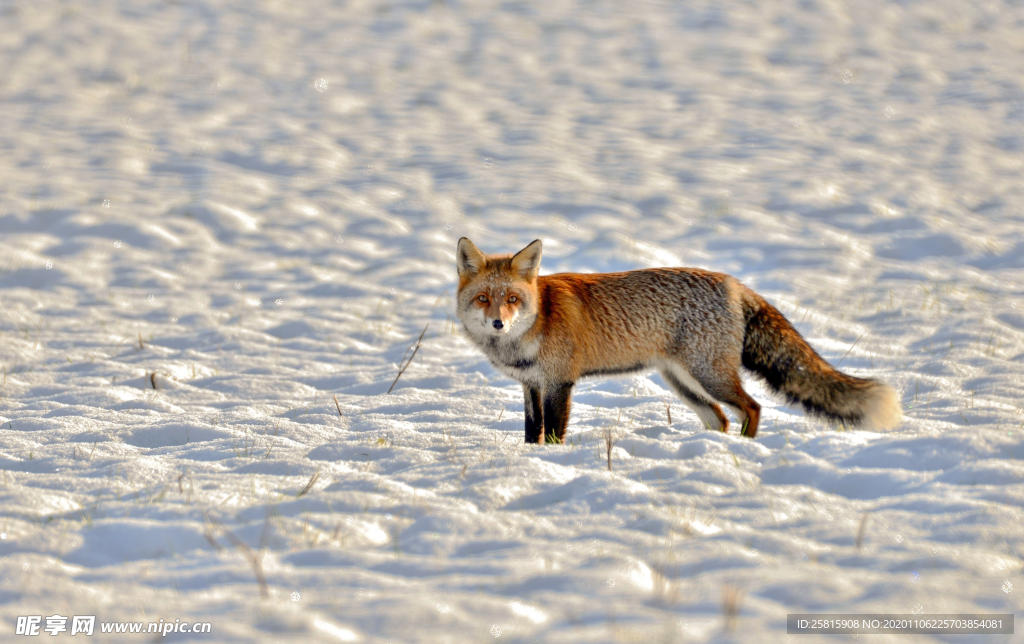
534,415
557,400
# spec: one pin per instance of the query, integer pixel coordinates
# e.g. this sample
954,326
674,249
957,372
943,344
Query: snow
217,217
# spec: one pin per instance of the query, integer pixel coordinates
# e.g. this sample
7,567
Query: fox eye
483,299
513,299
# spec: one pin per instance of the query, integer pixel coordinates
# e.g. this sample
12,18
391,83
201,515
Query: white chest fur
514,357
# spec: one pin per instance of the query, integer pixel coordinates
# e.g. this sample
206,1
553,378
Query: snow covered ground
254,207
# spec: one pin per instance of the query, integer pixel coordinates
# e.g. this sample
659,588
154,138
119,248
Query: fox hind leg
727,388
692,394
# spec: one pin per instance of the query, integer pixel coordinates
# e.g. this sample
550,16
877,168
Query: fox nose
498,324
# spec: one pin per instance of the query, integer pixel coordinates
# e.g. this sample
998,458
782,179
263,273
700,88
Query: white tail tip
883,409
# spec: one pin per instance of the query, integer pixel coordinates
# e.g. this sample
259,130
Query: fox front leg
557,400
534,414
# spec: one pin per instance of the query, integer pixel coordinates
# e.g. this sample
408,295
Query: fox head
497,293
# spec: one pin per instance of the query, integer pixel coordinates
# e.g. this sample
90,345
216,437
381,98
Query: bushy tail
776,351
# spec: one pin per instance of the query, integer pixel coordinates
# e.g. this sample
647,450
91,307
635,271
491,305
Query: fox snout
499,323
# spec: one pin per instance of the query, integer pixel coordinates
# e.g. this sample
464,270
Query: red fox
695,327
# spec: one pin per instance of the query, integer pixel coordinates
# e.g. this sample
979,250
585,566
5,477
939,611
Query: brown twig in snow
401,367
338,406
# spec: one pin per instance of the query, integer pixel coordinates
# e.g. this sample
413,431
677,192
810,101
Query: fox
695,327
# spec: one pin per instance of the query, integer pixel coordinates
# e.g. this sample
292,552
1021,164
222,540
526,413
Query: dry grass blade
213,542
265,535
862,529
609,441
141,343
309,486
732,598
850,349
402,367
255,561
663,590
338,406
668,411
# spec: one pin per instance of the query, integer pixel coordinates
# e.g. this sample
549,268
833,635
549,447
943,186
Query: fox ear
468,257
527,261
